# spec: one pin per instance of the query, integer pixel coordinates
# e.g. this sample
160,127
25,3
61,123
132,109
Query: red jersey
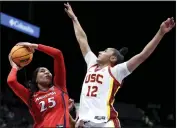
48,108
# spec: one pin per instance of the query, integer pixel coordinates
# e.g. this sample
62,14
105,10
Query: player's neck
41,88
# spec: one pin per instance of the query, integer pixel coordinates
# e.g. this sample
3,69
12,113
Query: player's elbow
80,34
84,46
58,53
10,81
82,39
142,57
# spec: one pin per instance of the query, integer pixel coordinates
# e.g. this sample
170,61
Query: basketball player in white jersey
105,74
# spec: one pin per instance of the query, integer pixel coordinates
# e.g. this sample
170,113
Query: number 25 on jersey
51,103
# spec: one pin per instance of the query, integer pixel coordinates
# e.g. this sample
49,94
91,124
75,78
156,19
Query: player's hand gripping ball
21,55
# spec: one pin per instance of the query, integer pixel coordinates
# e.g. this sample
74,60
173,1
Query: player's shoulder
122,64
120,71
119,66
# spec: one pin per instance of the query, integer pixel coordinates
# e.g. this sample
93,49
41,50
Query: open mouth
47,76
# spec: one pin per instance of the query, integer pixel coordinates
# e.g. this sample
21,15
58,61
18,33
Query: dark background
107,24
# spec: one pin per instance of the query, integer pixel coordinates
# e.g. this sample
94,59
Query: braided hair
32,86
120,54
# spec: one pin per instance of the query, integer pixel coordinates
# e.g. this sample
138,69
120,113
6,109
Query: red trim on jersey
97,68
116,123
109,70
93,66
116,84
113,113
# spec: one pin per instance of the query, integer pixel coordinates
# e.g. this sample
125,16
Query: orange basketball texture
21,55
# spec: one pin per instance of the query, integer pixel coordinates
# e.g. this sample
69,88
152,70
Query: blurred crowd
13,113
157,115
10,119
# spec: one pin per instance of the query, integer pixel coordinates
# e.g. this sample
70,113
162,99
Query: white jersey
98,90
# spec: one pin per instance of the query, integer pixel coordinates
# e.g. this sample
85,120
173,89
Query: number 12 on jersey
92,91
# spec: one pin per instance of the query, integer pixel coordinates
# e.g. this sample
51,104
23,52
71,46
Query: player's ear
113,59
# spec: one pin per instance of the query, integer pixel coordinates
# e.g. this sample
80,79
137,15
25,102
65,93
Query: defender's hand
167,25
69,11
71,104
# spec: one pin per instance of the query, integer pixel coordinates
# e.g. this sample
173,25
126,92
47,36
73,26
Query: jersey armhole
117,82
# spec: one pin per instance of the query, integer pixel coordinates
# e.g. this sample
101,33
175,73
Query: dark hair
120,54
32,86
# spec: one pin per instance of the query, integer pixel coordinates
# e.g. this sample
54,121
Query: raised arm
79,32
17,88
135,61
59,66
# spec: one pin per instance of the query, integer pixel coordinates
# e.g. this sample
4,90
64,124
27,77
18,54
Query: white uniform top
98,90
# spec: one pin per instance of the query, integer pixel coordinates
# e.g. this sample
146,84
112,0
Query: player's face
44,77
104,56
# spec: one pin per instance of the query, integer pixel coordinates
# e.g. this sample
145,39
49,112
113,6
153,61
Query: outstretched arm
59,66
81,37
17,88
135,61
79,32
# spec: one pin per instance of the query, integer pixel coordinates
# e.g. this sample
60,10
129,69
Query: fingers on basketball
21,55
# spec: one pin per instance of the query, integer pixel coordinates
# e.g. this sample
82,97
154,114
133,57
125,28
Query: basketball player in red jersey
105,75
48,101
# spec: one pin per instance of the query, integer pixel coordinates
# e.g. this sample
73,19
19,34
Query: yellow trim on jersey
115,94
109,96
114,99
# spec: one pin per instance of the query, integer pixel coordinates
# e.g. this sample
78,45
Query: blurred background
147,98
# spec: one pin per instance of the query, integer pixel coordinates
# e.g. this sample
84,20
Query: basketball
21,55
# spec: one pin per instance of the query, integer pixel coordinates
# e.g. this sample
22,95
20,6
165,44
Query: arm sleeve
120,71
17,88
90,59
59,66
